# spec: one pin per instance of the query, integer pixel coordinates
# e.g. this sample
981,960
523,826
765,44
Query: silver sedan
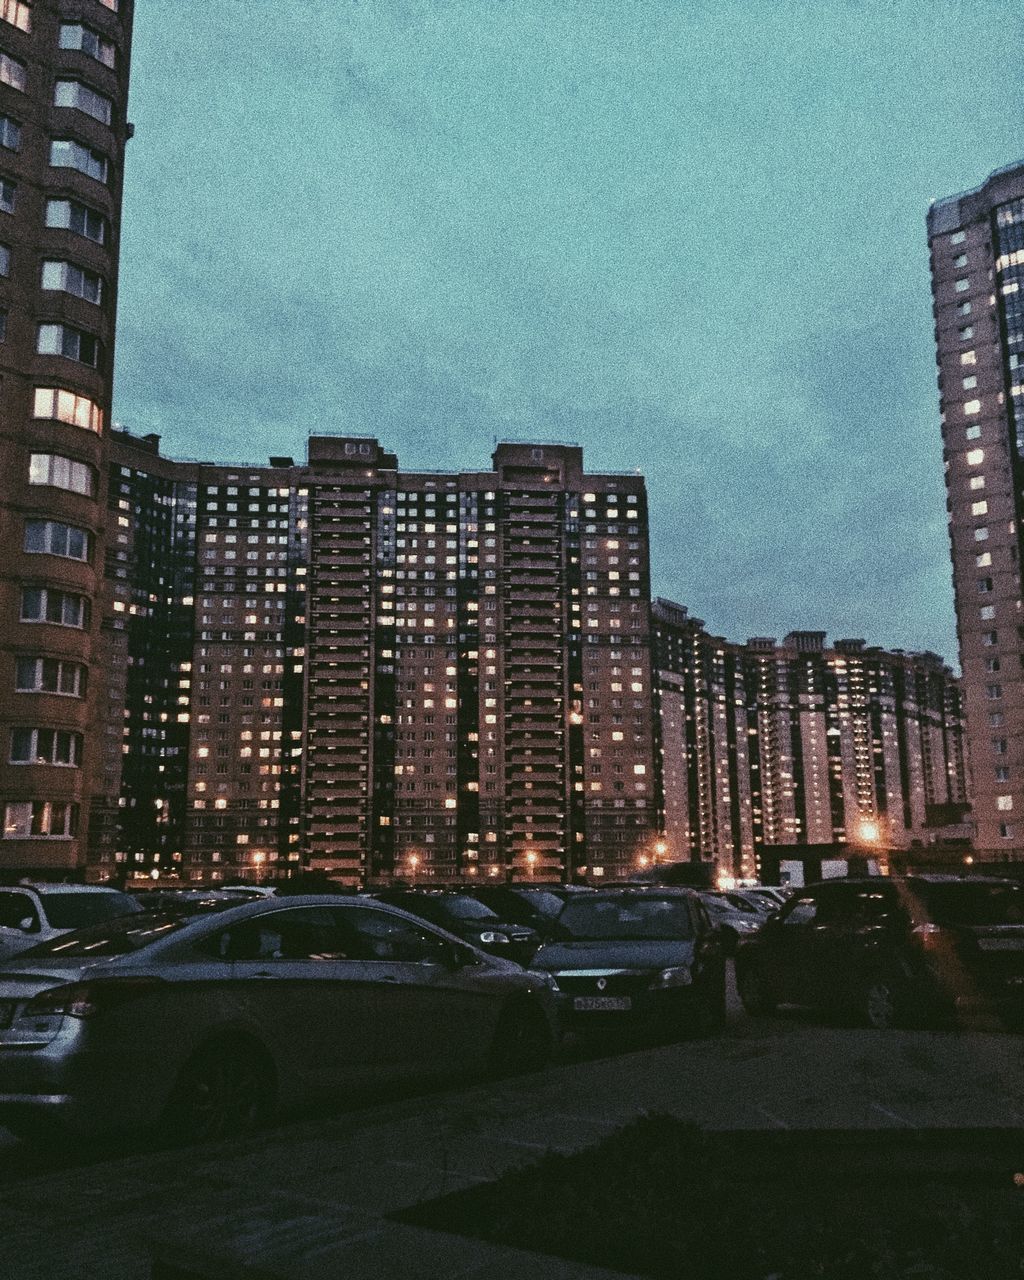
204,1026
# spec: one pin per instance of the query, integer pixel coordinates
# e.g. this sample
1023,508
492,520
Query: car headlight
489,936
677,977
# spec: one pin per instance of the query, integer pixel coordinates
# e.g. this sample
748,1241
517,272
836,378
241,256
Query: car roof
62,888
643,891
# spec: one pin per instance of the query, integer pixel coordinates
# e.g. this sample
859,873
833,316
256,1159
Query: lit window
29,819
18,13
979,508
962,285
970,382
66,277
79,218
8,191
69,407
74,36
65,153
69,342
968,357
981,534
1004,803
972,406
973,433
63,473
963,309
960,260
10,133
983,560
12,72
966,333
958,237
975,457
74,94
112,5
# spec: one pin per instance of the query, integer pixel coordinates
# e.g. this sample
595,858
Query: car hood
563,956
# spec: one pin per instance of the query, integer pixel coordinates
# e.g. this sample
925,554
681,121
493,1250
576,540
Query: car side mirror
28,925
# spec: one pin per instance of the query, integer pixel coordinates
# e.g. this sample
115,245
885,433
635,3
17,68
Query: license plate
598,1004
6,1013
1001,944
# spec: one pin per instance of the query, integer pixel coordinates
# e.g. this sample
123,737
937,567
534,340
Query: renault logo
602,983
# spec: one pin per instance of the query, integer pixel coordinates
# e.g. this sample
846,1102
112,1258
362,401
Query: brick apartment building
63,93
374,672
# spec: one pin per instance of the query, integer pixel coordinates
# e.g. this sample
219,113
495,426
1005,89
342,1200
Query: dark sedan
537,906
637,959
468,918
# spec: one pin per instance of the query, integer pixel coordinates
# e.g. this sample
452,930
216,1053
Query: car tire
881,1003
522,1042
756,991
222,1090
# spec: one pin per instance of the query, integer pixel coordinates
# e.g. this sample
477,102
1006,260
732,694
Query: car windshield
114,938
974,904
462,907
546,904
75,910
627,918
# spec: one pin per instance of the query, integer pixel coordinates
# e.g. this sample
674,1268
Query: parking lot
306,1199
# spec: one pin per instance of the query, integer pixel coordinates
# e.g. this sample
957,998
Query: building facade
63,127
976,241
766,745
373,672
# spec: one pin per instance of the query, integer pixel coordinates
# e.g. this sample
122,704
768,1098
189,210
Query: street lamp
414,861
660,849
642,861
531,861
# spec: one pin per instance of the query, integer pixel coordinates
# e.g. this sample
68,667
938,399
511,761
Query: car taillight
86,999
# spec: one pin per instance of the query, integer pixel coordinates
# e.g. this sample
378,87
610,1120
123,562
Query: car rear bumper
656,1011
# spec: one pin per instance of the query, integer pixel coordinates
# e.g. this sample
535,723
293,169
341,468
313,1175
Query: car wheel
522,1042
222,1090
881,1004
756,991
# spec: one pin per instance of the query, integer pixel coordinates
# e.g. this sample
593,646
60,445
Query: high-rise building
765,745
976,241
63,127
375,672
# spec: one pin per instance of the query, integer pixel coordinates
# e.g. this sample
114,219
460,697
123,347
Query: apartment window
62,473
993,691
10,133
1002,773
977,482
51,537
969,357
74,94
984,585
958,237
999,746
984,560
973,432
12,72
112,5
966,333
66,153
979,508
46,746
987,613
972,407
67,406
990,638
1005,831
1004,803
981,534
74,36
50,675
970,382
66,277
8,191
5,260
69,342
79,218
962,285
963,309
975,457
31,819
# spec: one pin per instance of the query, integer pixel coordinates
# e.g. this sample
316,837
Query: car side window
305,933
15,907
383,936
802,910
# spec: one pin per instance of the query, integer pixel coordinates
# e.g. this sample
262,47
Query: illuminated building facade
765,744
976,241
374,672
63,128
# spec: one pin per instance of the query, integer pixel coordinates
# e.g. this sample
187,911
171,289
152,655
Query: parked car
468,918
32,913
637,958
536,906
733,916
204,1025
891,952
190,902
772,896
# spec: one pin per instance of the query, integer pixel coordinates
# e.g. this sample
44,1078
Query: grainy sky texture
688,236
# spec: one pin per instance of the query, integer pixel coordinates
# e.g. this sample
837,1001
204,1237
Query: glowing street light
643,861
660,849
531,861
869,831
413,862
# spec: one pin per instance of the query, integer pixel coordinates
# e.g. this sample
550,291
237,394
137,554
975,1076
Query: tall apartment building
374,671
976,241
763,745
63,94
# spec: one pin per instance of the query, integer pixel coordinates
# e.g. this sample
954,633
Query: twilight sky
687,236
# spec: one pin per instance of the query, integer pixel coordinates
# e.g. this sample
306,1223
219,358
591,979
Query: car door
430,1011
791,939
297,979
